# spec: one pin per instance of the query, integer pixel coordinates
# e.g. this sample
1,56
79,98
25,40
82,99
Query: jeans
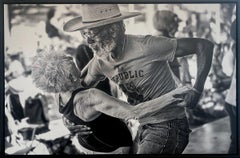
231,110
169,137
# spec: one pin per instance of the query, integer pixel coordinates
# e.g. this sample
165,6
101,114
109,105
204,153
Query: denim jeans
169,137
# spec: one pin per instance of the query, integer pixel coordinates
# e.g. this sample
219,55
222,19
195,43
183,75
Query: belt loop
171,123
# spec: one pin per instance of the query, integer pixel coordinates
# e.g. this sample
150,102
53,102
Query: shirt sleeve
160,48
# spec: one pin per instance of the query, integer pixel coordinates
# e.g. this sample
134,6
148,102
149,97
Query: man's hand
76,129
191,98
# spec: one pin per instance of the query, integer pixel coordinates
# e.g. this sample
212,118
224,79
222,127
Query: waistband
171,113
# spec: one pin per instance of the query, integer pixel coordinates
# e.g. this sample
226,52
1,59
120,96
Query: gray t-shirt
143,72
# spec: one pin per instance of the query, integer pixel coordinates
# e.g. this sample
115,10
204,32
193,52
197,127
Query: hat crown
96,15
96,12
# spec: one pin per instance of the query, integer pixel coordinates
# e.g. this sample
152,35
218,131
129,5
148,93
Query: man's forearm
204,60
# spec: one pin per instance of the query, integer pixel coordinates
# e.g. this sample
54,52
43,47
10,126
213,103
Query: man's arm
93,101
204,51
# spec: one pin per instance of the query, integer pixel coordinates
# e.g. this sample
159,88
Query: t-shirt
142,72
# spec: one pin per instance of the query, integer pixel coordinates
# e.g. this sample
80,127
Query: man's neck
118,52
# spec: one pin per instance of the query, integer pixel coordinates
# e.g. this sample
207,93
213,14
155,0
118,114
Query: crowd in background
35,28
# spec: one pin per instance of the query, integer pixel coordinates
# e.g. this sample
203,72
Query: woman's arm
93,101
99,101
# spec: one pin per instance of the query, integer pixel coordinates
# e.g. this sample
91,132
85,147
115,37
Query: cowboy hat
95,15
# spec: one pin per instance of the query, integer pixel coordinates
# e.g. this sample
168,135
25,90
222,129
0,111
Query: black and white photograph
120,79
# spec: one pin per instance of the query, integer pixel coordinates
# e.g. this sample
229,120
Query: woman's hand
82,130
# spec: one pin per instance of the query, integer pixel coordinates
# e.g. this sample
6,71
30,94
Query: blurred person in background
59,40
12,117
7,74
220,81
166,23
12,75
14,64
231,100
118,56
14,109
51,30
14,141
26,107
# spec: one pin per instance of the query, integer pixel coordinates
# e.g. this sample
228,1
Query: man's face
102,39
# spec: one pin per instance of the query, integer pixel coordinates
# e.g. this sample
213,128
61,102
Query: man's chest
127,70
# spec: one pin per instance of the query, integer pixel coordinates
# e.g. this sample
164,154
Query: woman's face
73,77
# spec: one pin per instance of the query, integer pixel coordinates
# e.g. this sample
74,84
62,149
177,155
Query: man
139,65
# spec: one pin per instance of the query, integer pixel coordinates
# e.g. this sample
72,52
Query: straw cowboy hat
95,15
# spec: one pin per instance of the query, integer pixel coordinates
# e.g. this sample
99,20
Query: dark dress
109,133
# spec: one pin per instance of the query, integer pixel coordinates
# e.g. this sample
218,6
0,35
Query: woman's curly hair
54,72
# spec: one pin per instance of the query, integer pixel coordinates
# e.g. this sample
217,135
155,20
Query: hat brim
77,24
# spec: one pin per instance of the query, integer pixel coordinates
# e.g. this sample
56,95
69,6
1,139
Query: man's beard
104,47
